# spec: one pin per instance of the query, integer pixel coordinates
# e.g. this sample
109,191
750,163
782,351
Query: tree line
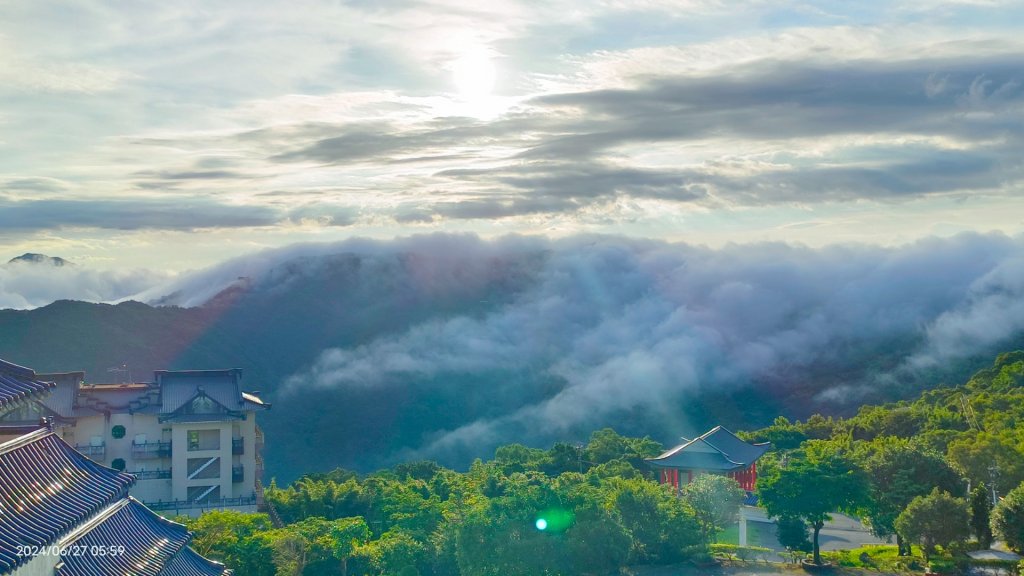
922,472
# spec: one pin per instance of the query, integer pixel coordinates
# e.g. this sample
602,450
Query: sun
474,75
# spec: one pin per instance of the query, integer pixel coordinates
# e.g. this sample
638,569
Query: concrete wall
180,456
176,487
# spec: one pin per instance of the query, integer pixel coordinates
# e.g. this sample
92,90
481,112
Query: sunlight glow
474,75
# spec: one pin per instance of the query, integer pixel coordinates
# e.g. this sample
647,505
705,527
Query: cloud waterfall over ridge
637,326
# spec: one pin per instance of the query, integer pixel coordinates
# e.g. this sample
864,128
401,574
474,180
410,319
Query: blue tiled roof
47,488
18,383
148,540
188,563
180,386
717,449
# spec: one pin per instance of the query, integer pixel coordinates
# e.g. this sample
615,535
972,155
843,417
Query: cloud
192,213
766,133
29,285
632,326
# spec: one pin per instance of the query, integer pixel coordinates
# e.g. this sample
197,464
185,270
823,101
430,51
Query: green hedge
743,553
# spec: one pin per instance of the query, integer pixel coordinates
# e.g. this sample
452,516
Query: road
842,533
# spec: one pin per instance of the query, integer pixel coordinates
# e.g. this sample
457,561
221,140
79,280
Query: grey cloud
567,142
132,214
34,184
629,326
193,175
779,100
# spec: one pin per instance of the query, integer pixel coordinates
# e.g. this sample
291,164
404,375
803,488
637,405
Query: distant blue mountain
40,259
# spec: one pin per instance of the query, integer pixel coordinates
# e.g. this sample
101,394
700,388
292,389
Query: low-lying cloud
636,326
25,285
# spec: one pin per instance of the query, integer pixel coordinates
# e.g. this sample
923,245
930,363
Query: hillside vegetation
601,509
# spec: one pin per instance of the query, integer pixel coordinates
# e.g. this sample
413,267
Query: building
189,437
717,451
62,514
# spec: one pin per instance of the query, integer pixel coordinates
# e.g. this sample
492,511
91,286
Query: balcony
238,446
237,473
179,505
152,474
150,450
94,449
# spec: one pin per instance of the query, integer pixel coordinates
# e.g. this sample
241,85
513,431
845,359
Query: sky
174,135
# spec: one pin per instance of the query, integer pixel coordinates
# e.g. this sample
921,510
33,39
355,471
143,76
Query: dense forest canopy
591,508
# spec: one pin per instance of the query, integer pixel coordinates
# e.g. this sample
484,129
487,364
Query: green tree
232,538
1008,519
900,471
716,503
396,551
783,434
597,543
937,519
290,551
979,454
981,515
606,445
813,488
792,533
348,535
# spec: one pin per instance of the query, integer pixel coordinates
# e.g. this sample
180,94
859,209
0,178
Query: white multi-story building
189,437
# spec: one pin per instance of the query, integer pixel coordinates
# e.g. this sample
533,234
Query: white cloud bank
30,285
638,325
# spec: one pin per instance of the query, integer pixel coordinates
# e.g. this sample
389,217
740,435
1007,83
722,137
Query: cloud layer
638,327
30,285
661,119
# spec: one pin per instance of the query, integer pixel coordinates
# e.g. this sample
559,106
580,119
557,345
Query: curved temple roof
47,488
188,563
18,383
135,540
717,449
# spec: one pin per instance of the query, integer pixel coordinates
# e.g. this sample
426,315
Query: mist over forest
445,346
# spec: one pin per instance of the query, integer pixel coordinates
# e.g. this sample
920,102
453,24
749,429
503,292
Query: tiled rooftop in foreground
53,496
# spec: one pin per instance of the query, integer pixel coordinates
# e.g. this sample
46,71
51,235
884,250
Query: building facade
189,437
717,451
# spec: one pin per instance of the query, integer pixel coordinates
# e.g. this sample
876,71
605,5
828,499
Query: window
203,494
117,431
117,464
203,468
204,439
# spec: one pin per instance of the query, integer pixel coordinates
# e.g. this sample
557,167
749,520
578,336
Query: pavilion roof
717,449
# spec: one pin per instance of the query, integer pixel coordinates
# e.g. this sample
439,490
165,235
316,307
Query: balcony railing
238,445
92,449
152,474
237,473
144,450
208,505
